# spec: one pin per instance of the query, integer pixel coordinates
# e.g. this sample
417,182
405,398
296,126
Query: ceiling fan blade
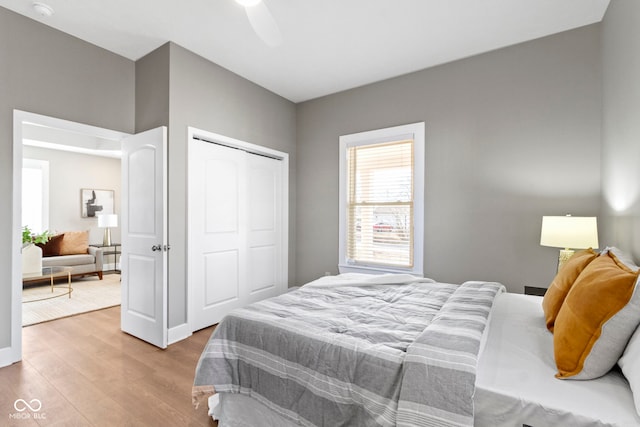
264,25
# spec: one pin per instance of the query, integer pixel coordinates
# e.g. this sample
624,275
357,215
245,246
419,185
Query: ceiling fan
262,21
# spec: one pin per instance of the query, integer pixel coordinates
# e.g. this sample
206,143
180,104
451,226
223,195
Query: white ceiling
45,136
329,45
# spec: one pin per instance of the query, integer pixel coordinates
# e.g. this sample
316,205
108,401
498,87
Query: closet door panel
221,279
263,273
221,192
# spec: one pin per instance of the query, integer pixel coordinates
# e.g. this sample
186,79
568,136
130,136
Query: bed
393,350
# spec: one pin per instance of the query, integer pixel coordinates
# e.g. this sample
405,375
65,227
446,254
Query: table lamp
107,221
569,232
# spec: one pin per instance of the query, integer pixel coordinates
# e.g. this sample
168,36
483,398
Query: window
35,194
382,200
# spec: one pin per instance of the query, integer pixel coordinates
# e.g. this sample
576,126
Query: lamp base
564,256
106,240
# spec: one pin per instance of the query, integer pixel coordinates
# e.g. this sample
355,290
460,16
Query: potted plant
31,253
29,236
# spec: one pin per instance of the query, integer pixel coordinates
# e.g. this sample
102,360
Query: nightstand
532,290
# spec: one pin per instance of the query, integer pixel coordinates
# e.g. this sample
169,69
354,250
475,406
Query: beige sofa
81,264
71,249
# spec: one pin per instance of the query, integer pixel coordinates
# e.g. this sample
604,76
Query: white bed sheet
515,382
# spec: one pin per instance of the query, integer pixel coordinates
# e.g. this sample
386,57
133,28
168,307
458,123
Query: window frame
395,133
43,167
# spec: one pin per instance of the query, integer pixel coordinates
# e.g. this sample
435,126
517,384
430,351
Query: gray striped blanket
366,355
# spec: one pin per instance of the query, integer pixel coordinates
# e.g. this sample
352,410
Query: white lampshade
107,220
577,232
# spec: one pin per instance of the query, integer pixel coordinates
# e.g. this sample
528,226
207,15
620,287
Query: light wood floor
85,371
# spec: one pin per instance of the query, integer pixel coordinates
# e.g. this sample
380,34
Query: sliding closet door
235,230
264,227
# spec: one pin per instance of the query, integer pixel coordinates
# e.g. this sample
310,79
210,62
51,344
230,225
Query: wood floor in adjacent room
85,372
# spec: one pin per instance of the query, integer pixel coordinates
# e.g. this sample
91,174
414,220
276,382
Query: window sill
348,268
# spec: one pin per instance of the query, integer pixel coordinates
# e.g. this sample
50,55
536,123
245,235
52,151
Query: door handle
156,248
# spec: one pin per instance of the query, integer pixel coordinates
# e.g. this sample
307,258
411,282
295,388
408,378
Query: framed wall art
96,202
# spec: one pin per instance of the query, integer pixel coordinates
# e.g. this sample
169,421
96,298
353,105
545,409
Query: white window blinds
380,204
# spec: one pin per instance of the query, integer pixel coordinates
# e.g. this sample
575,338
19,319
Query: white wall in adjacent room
68,174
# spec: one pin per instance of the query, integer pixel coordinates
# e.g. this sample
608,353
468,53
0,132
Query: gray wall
70,172
48,72
209,97
621,124
511,135
152,89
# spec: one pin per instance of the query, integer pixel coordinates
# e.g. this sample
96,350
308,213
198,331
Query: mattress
515,382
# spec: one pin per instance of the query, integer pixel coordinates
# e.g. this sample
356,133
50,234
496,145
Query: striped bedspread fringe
367,354
200,394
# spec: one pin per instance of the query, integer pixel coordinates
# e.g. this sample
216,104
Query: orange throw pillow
598,317
74,243
561,284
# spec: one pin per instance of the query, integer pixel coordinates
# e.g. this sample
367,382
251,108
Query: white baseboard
7,357
178,333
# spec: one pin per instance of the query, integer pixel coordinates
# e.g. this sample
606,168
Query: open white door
144,236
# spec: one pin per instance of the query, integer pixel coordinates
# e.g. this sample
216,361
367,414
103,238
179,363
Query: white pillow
630,365
630,361
622,256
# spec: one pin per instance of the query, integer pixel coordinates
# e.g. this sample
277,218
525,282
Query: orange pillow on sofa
596,320
74,243
561,284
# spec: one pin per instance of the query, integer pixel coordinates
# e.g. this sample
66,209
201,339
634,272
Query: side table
533,290
113,249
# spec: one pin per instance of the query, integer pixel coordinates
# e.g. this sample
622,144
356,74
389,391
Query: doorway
77,137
